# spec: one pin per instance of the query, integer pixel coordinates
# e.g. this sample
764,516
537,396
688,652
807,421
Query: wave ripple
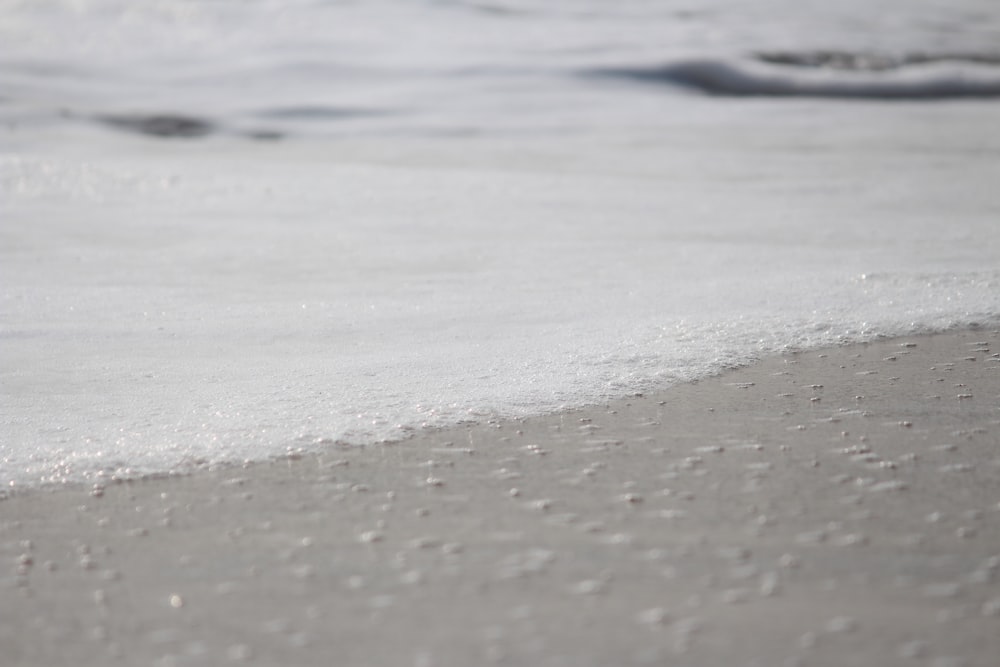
164,126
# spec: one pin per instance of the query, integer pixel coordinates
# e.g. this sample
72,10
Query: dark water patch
487,8
46,69
869,62
163,126
495,10
264,135
317,113
825,74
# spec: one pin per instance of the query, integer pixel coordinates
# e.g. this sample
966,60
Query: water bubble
239,653
949,661
912,649
841,625
735,595
769,584
653,616
991,607
889,485
541,505
412,577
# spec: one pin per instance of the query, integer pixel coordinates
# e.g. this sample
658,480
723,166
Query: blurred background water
276,67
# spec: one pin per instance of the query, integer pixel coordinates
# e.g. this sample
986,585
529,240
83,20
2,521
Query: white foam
165,311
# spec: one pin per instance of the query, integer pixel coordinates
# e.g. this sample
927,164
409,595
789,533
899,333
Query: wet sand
839,507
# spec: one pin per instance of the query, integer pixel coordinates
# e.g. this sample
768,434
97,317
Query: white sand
835,508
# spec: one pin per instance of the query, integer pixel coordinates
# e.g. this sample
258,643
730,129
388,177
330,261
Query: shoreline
99,481
837,506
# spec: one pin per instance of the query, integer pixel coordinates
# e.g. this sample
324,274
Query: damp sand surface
837,507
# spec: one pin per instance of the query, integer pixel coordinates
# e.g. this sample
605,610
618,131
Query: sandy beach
836,507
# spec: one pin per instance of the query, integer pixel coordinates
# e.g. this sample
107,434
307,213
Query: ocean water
231,230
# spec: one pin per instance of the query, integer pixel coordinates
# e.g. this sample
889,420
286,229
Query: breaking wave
830,74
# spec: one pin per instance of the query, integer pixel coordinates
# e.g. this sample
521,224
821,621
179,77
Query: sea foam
229,232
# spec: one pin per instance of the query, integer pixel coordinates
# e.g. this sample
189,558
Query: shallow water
234,229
